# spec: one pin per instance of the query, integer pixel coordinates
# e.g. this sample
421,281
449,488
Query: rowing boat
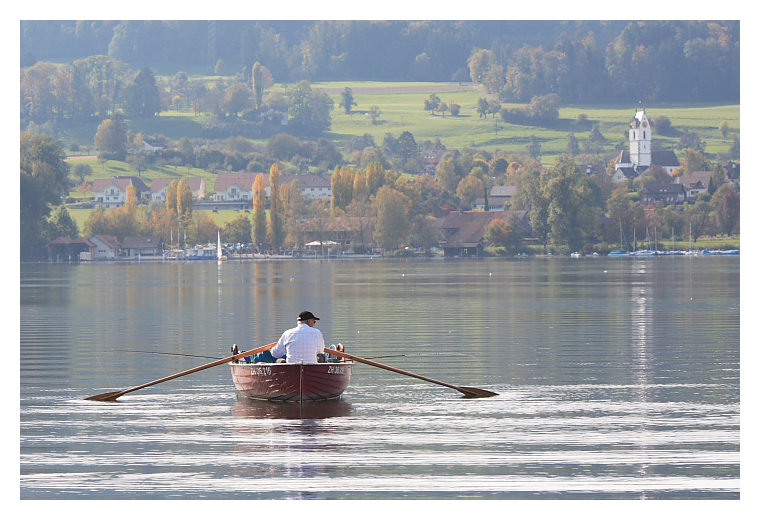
291,381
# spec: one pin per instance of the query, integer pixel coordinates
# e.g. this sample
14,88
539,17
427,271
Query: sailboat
220,257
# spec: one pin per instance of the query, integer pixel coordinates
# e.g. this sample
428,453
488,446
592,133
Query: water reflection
257,409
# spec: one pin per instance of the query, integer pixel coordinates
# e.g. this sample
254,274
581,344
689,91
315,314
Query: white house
640,156
158,188
112,193
106,247
314,186
234,186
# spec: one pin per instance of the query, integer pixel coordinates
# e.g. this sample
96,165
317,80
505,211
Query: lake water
617,379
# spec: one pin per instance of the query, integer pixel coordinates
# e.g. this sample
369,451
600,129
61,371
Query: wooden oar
112,396
468,391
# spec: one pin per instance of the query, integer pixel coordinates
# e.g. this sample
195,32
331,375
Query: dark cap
306,316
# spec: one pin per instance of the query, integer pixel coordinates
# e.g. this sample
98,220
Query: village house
112,193
234,187
695,183
104,247
639,157
314,186
239,186
132,248
668,194
463,232
158,188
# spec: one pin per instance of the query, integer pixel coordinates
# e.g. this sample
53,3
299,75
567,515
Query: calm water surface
617,378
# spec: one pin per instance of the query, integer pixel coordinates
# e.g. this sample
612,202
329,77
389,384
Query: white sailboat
220,257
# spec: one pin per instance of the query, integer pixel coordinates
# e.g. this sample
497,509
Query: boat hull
291,382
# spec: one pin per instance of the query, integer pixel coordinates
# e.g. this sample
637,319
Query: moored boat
291,381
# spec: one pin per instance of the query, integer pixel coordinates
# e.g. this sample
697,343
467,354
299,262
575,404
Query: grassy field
401,105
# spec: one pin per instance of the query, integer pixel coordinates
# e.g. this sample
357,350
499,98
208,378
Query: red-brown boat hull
291,382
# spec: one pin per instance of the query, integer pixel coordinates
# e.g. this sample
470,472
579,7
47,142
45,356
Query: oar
112,396
468,391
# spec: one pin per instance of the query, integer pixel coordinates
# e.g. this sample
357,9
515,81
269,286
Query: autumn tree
392,225
342,182
503,233
275,234
111,139
184,199
259,211
171,197
469,189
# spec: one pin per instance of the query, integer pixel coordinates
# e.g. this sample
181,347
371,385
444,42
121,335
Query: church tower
640,140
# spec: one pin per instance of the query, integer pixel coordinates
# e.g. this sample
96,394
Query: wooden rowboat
291,381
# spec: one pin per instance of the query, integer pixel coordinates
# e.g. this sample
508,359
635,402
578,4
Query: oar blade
471,393
108,396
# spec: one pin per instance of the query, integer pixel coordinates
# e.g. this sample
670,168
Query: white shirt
301,343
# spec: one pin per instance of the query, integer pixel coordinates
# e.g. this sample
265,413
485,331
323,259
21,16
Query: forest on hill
580,61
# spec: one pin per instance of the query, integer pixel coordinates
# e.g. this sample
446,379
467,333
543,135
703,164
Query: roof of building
120,181
243,180
109,240
503,191
656,188
159,184
467,228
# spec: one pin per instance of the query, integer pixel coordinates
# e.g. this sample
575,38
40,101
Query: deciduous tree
259,211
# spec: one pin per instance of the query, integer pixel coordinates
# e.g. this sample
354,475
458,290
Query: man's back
301,343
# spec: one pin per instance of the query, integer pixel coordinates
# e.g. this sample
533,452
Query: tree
469,189
483,107
261,79
534,147
142,96
432,102
723,128
43,183
347,100
171,197
238,230
573,148
502,233
308,110
374,113
259,211
573,213
184,199
60,224
275,233
726,202
82,170
111,139
237,98
392,225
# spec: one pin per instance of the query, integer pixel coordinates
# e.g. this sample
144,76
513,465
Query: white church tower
640,140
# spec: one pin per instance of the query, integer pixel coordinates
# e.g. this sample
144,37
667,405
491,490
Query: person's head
308,318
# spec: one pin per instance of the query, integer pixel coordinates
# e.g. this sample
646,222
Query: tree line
580,61
567,208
